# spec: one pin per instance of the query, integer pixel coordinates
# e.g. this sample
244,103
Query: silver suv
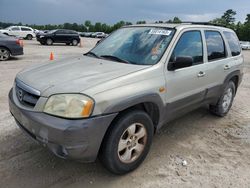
110,102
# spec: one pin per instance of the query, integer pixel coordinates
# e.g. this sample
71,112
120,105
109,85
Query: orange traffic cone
51,57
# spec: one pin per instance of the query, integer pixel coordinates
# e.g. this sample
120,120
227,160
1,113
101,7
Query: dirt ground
217,150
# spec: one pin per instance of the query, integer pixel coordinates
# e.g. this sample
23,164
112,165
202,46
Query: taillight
19,42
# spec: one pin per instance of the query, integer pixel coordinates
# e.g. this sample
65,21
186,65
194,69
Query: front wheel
225,101
4,54
49,41
126,145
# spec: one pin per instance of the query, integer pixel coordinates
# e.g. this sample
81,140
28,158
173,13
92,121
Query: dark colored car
59,36
9,46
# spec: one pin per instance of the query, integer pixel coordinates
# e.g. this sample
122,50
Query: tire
225,101
133,131
74,42
4,54
6,34
42,43
49,41
67,44
29,37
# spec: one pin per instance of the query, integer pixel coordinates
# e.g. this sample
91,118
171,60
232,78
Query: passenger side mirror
180,62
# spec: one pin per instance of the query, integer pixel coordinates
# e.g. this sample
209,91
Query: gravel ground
216,150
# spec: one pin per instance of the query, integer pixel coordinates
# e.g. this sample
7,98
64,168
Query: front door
185,86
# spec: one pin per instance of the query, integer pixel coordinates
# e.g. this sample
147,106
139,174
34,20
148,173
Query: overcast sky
112,11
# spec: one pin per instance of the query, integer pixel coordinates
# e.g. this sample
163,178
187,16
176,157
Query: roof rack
202,23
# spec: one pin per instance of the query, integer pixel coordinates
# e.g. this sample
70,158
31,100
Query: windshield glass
135,45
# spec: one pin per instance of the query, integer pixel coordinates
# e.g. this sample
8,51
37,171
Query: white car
19,31
245,45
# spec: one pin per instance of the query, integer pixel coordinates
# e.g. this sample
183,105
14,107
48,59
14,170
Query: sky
112,11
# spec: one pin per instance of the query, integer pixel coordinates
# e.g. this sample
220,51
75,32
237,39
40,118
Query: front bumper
71,139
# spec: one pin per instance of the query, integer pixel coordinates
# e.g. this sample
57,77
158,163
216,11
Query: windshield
135,45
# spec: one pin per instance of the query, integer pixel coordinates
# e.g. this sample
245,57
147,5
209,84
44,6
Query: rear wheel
74,42
225,101
127,144
49,41
4,54
29,37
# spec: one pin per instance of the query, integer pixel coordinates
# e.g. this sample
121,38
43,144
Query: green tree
229,17
141,22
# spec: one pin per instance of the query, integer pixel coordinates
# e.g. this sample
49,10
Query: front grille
26,98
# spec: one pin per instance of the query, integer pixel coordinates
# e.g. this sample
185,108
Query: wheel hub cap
132,143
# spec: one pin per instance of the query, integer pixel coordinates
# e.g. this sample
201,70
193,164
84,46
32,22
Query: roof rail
202,23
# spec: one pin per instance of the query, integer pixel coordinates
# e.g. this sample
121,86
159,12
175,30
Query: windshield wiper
111,57
91,54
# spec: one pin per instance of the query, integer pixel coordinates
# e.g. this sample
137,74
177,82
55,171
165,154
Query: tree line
226,20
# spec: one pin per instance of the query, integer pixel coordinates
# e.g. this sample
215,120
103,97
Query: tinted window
25,29
60,32
215,45
71,32
15,28
189,45
233,43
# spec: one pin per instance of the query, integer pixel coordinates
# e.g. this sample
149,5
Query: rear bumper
18,50
71,139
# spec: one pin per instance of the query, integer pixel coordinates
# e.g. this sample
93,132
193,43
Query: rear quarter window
233,43
25,29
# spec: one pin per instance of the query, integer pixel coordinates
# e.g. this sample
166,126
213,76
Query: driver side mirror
180,62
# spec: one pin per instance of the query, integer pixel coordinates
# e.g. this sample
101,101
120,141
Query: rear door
223,57
217,62
25,31
185,86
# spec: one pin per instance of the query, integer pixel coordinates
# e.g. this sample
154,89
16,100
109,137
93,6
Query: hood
74,75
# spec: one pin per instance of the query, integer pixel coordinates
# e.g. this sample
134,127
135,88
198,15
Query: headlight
69,105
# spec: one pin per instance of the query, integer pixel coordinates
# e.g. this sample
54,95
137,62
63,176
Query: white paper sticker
160,32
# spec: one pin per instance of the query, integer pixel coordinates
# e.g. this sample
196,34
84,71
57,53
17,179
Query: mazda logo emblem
20,95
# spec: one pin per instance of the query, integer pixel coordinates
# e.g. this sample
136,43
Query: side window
189,45
233,43
215,45
25,29
60,32
15,29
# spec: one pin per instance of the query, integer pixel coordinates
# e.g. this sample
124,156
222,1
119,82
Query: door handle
226,67
201,74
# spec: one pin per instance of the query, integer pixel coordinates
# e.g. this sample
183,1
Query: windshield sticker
160,32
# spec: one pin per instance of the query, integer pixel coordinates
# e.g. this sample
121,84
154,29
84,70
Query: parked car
9,46
19,31
59,36
111,101
245,45
100,35
88,34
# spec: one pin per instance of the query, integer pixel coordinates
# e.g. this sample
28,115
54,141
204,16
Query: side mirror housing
180,62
